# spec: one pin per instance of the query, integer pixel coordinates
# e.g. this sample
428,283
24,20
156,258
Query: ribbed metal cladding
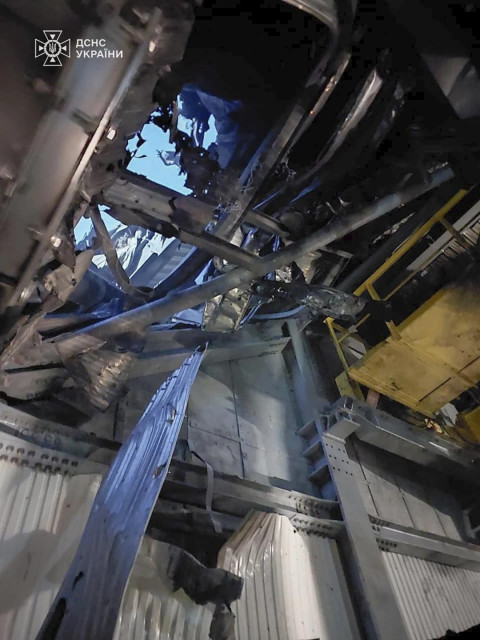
294,585
150,611
42,516
434,597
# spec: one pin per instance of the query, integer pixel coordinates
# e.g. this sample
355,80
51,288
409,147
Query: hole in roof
84,228
155,157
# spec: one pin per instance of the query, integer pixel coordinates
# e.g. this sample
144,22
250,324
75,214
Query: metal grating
434,597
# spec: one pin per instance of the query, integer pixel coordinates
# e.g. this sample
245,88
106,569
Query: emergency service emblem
53,48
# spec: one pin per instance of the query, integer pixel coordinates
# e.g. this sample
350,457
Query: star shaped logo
52,48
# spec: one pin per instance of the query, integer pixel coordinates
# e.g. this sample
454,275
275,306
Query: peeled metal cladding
119,516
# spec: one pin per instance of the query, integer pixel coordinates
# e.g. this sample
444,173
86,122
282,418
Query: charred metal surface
200,583
138,319
320,299
203,585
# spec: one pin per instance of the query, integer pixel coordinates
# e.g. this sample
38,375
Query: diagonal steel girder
136,320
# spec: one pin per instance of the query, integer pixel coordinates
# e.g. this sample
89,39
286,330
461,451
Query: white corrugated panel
42,516
150,611
434,597
294,584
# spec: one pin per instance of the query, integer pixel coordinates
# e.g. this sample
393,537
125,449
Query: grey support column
378,597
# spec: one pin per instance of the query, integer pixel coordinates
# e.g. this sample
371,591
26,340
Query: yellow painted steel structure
434,356
431,357
469,423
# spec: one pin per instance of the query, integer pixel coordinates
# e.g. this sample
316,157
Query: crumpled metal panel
41,521
224,313
294,584
433,597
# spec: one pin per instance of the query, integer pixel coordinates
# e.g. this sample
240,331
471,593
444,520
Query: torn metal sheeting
28,384
98,575
132,196
158,311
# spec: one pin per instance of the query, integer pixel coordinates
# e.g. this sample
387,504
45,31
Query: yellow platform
434,356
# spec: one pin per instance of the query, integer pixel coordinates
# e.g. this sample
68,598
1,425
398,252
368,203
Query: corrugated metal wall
294,590
294,585
434,597
42,517
150,611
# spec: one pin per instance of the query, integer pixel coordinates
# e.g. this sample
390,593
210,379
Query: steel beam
216,246
379,600
167,355
421,446
138,195
54,436
158,311
410,542
64,145
36,443
186,483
